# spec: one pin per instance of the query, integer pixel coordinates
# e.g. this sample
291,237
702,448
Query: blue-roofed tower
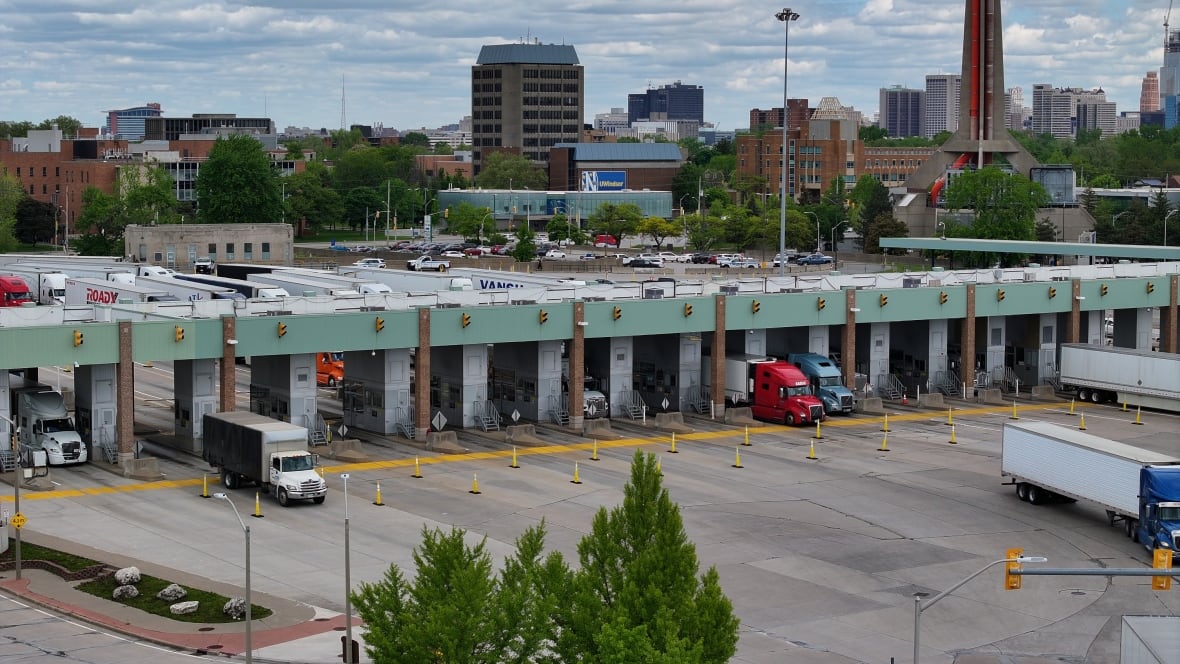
526,98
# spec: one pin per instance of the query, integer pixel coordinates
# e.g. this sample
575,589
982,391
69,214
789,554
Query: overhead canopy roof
1137,251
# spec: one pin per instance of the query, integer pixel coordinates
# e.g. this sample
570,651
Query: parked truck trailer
252,448
1136,487
46,286
827,382
1137,377
775,391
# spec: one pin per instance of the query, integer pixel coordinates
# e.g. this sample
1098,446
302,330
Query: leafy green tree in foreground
636,597
236,185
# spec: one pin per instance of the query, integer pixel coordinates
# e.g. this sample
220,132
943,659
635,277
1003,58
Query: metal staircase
107,447
7,461
318,433
889,387
633,405
486,415
404,419
699,399
1004,378
559,412
948,383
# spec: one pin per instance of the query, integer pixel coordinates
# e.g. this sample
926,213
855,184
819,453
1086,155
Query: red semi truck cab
14,292
783,394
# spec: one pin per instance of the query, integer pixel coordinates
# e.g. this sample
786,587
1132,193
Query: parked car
640,261
717,258
554,255
738,261
370,262
791,258
339,247
204,265
815,259
362,248
588,257
605,241
701,258
669,257
452,254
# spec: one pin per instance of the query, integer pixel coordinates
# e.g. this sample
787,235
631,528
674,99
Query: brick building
645,165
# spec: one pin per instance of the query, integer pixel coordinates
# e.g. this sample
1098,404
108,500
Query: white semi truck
45,423
252,448
189,290
48,286
1136,487
1137,377
96,291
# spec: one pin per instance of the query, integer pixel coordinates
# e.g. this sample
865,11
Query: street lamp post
787,17
919,607
20,476
819,243
347,581
1169,214
835,249
249,599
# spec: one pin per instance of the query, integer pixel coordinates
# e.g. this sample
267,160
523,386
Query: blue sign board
604,180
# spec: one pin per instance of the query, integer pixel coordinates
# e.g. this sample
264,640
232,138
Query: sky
407,64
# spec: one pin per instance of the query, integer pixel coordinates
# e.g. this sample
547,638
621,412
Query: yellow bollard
1139,415
257,507
811,452
672,450
417,473
950,418
1071,406
594,455
1014,416
378,502
474,483
737,457
818,434
514,464
746,439
659,467
1124,405
885,427
1082,423
884,444
577,479
204,485
953,441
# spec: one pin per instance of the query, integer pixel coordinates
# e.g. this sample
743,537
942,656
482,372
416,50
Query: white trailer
299,285
49,286
409,282
97,291
248,289
120,273
1135,377
189,290
358,284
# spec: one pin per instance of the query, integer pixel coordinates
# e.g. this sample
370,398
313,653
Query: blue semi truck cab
1159,508
827,382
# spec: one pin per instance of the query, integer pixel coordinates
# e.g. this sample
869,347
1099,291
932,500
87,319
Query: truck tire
789,420
1083,394
229,479
1131,527
1036,495
318,500
1022,491
281,495
331,381
1097,396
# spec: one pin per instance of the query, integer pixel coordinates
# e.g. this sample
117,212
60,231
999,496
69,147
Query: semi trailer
1125,375
775,390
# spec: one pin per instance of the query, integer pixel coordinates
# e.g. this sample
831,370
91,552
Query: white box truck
45,423
1137,377
252,448
96,291
1137,487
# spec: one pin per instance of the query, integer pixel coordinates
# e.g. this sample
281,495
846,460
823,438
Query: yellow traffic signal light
1052,292
282,329
78,338
466,320
179,334
544,316
1162,559
687,310
820,303
943,297
1000,295
1150,288
617,313
884,300
1012,581
380,323
756,306
1103,290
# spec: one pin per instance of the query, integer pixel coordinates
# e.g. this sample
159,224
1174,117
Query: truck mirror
315,460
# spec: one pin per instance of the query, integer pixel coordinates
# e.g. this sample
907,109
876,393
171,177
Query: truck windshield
1170,513
830,381
801,391
55,426
296,463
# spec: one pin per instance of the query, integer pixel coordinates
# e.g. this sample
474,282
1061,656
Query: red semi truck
775,390
14,291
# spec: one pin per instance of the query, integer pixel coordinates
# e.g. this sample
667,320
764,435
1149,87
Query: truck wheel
1036,495
229,479
319,500
282,496
1132,529
1097,396
331,381
1022,491
1083,394
789,420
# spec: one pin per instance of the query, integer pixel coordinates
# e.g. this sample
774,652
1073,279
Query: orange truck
329,370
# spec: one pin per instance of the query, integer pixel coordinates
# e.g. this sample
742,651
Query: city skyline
411,68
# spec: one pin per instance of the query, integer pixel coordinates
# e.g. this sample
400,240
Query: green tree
872,133
147,197
658,229
885,225
501,170
1004,205
636,596
236,184
417,139
311,200
35,221
68,125
619,220
362,167
526,245
101,222
560,228
361,205
15,129
11,194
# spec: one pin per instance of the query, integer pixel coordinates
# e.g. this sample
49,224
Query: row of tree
635,595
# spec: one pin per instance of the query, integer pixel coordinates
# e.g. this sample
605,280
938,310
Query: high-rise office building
1015,112
901,111
667,102
526,98
1149,93
942,103
128,123
1063,111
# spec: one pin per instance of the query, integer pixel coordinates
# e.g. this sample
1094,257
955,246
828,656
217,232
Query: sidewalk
294,632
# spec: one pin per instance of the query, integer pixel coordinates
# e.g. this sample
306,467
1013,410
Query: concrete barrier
522,434
446,442
598,428
672,422
871,406
990,396
145,469
932,400
345,449
1044,393
739,416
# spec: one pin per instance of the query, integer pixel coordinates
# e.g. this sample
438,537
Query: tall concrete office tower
982,133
